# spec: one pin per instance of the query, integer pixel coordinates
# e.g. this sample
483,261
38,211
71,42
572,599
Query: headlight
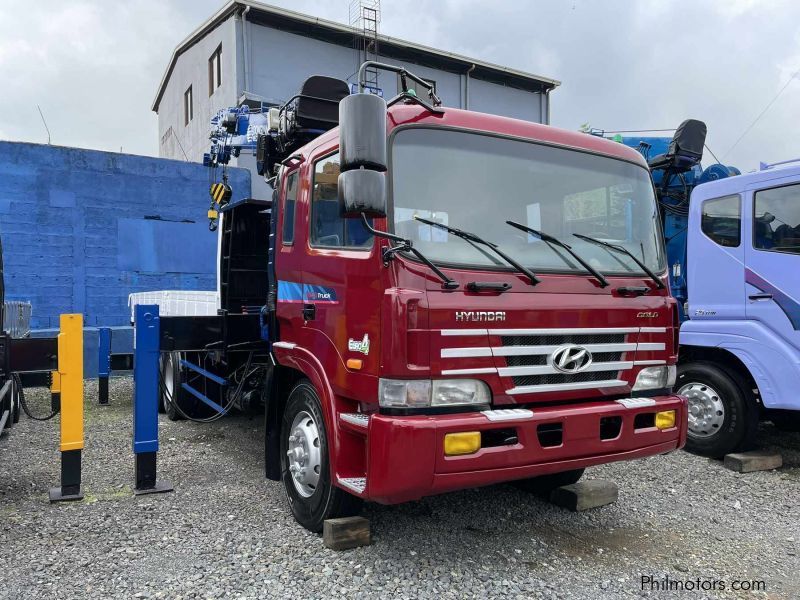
398,393
424,393
654,378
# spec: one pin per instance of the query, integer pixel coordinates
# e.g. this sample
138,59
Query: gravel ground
227,532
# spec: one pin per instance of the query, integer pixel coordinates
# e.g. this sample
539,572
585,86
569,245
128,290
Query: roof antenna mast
365,18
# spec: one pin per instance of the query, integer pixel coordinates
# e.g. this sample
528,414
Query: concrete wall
82,229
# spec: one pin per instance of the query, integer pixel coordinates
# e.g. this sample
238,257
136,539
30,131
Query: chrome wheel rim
305,458
706,410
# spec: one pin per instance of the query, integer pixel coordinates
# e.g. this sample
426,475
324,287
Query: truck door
288,257
716,256
772,257
342,280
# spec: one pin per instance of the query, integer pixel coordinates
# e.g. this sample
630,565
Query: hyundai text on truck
433,299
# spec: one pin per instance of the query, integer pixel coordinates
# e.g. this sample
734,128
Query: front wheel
305,465
544,484
722,418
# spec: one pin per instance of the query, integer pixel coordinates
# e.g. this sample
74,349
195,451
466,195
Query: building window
419,90
722,220
288,208
215,70
188,106
776,219
328,229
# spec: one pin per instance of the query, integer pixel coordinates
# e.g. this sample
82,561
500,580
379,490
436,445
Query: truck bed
177,303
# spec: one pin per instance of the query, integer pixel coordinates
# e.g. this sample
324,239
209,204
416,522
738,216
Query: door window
328,229
776,219
722,220
288,208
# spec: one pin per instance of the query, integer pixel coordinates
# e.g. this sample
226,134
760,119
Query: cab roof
740,183
414,114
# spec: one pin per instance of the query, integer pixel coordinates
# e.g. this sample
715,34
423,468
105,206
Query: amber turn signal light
466,442
665,419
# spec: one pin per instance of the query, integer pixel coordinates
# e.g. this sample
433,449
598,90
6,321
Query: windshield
478,182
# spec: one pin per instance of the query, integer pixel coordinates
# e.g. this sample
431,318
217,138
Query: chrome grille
526,360
530,360
557,340
524,356
535,351
558,378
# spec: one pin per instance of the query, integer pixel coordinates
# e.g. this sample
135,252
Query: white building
253,52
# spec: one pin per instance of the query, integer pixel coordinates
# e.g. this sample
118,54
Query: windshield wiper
474,239
624,250
550,240
405,245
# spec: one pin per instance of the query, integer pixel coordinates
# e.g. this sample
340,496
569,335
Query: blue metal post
103,363
145,400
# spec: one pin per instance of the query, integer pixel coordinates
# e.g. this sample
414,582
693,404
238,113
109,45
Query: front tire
305,464
722,417
544,484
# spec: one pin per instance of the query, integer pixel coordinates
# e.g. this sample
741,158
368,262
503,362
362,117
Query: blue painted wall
82,229
121,343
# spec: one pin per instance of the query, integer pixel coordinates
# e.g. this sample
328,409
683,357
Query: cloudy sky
93,65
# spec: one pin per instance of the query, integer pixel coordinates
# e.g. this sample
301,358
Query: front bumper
406,460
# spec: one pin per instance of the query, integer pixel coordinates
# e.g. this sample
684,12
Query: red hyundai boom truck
435,299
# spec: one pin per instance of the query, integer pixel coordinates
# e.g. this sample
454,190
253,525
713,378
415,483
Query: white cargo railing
177,303
17,318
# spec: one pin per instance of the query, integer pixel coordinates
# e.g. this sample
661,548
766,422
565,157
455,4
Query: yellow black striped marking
220,192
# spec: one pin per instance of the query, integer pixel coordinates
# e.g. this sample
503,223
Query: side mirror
362,156
362,132
362,191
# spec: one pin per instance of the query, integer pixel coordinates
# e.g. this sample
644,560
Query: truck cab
740,348
462,299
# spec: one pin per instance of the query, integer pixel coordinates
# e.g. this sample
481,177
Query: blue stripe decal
289,291
788,305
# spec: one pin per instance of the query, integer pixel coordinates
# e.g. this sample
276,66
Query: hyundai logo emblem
571,359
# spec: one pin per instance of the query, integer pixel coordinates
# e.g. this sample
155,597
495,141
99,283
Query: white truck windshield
476,182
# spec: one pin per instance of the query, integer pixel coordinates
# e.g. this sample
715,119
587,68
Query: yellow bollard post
55,391
70,376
